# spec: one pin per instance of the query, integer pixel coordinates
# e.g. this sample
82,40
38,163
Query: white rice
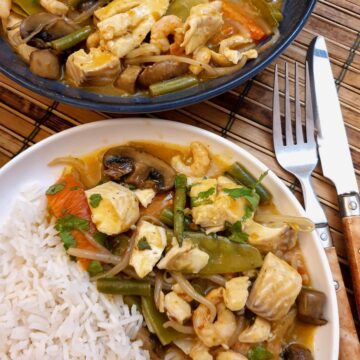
48,307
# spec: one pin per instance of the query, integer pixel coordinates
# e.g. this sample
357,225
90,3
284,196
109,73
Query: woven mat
242,115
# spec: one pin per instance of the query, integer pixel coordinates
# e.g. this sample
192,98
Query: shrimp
167,25
200,161
202,54
210,332
200,352
5,7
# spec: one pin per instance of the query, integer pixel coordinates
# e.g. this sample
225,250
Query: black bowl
295,15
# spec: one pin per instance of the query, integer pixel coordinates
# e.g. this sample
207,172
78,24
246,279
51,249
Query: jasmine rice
48,307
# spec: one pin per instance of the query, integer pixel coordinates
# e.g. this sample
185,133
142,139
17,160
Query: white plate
31,166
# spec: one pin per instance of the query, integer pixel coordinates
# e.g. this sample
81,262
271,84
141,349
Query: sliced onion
217,279
270,42
227,70
93,255
236,333
303,224
94,243
89,12
152,220
189,290
160,58
157,289
121,265
189,330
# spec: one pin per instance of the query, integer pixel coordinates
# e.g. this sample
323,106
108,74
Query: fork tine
277,133
310,132
288,126
299,131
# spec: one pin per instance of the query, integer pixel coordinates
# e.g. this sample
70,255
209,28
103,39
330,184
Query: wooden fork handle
349,342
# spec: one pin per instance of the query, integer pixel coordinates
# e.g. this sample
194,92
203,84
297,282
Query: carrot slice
234,11
67,197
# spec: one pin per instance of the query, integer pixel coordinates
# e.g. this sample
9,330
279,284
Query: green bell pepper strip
155,321
225,256
266,12
30,7
171,85
131,300
241,175
123,287
179,205
68,41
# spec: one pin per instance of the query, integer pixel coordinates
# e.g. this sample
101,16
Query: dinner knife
334,152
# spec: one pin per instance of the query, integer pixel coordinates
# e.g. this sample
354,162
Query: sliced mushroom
127,79
310,304
142,169
162,71
46,64
42,27
297,352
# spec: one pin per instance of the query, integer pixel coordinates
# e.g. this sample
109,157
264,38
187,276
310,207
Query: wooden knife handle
351,226
349,342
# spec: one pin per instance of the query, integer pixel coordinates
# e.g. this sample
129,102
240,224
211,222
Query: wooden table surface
242,115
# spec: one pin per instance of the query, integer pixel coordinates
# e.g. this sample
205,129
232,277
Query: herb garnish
202,197
259,353
143,244
249,194
95,268
68,223
237,235
54,189
95,200
76,187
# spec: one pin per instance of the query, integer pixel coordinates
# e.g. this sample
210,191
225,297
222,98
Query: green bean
155,321
72,39
241,175
131,300
168,86
167,217
123,287
30,7
179,205
225,256
95,268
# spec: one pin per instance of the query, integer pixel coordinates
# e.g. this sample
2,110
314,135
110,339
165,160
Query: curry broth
302,333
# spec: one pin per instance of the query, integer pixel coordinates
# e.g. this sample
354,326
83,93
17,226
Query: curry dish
126,47
196,245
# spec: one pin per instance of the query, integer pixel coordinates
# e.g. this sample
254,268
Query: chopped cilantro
100,237
249,194
202,197
143,244
76,187
95,200
259,353
54,189
131,187
71,222
95,268
67,239
260,179
237,235
248,213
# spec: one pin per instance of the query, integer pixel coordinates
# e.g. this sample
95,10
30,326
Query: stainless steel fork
299,155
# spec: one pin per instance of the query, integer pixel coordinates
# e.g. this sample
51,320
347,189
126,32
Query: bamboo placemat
242,115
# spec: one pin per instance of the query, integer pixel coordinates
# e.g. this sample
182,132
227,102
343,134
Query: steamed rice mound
48,307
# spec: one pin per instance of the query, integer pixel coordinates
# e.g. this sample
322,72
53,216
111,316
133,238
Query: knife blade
334,152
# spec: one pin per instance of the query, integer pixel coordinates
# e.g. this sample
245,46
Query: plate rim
217,138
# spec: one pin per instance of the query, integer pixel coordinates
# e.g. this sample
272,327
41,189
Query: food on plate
195,244
131,47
